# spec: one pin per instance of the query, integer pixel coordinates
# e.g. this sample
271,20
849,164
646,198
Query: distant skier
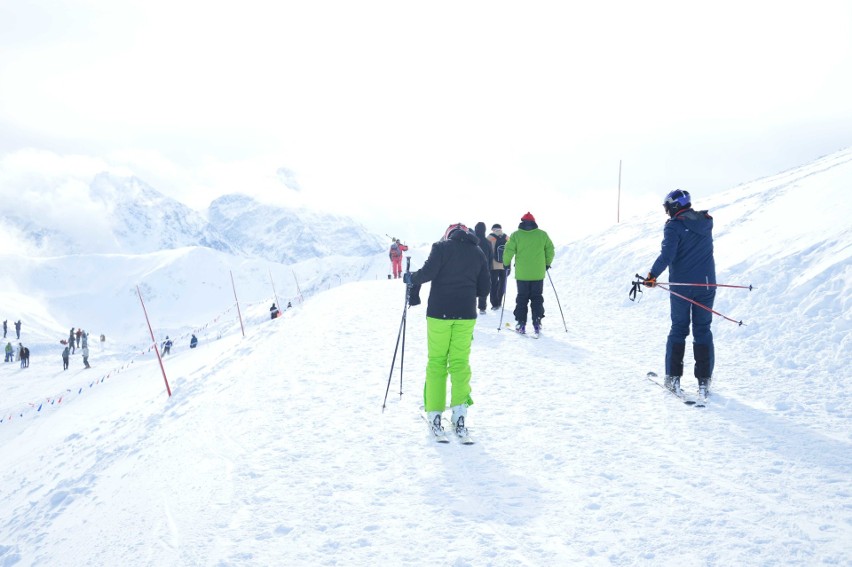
485,246
458,271
498,271
687,252
533,252
86,357
193,342
18,328
10,353
25,356
66,354
395,254
85,339
71,340
79,335
5,327
273,311
167,345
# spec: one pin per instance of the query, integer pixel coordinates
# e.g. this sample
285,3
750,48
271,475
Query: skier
533,253
193,342
79,335
5,327
85,339
86,357
485,246
458,271
25,356
10,352
498,270
687,252
71,340
167,345
395,254
273,311
18,328
66,353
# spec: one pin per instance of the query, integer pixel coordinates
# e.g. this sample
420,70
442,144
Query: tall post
238,305
618,209
298,289
274,293
156,350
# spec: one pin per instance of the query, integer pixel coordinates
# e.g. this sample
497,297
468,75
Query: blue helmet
676,201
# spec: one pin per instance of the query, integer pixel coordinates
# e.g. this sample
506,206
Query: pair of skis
442,437
697,401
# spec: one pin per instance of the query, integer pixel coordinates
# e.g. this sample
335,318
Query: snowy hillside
273,449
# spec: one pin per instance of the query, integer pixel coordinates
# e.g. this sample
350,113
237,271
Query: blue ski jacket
687,249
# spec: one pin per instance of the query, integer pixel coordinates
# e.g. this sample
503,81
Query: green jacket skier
533,252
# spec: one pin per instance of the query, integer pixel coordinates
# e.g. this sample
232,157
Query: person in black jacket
459,273
485,246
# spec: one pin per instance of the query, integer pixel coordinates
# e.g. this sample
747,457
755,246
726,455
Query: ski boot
673,383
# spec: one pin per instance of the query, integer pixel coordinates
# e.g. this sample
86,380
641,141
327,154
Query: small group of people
462,269
17,328
66,356
274,312
23,354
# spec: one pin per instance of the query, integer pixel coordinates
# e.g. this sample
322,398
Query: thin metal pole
618,209
274,293
156,350
242,327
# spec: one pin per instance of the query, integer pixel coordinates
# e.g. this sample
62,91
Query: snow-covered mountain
288,235
273,448
124,215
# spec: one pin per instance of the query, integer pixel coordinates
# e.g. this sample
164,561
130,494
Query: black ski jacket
459,274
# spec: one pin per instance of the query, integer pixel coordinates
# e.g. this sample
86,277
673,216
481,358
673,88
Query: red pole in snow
156,350
239,314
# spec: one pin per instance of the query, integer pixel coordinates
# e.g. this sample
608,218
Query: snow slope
273,449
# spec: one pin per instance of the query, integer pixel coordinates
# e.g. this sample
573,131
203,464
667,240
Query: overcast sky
422,114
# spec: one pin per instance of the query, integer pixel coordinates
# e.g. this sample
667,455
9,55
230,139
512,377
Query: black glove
547,267
650,281
508,270
414,298
406,277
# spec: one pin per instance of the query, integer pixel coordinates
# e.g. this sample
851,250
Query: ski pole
503,307
400,335
701,305
557,300
748,287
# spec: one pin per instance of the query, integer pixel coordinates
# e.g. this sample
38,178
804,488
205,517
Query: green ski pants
449,353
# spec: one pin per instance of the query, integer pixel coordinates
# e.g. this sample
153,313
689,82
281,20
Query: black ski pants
529,292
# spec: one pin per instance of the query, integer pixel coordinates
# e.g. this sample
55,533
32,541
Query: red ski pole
701,305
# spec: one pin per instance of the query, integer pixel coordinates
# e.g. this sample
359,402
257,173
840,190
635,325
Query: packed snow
274,448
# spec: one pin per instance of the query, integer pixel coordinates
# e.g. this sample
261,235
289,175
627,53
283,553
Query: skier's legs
676,342
521,301
498,282
439,333
702,335
537,299
459,361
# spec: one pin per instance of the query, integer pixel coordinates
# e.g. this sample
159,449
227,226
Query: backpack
395,250
499,246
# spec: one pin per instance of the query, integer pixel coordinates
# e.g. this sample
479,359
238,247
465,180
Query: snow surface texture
273,449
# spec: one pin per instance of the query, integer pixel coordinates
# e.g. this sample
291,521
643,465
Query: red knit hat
528,217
